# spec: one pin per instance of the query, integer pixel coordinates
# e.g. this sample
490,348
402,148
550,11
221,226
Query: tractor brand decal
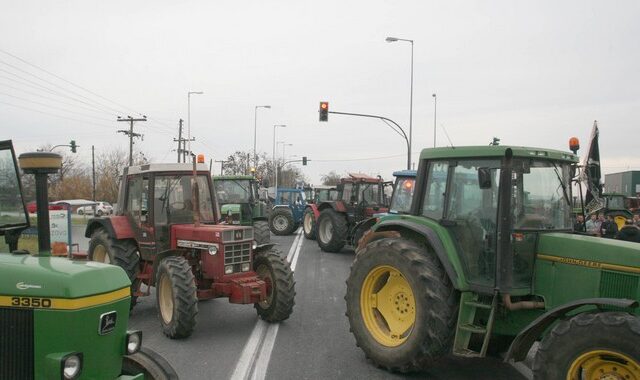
589,263
194,244
107,322
237,235
64,303
24,286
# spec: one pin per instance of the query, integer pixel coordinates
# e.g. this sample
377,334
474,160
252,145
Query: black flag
591,173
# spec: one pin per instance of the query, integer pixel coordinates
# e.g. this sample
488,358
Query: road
231,342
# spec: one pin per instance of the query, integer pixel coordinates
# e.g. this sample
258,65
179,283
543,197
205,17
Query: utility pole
222,162
185,151
93,169
179,140
130,133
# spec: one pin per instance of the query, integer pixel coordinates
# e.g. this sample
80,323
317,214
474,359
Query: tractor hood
188,236
57,277
590,251
233,208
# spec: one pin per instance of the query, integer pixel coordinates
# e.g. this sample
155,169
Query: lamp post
394,39
275,160
284,145
255,128
435,108
189,115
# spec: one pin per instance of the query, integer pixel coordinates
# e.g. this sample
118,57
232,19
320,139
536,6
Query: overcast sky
531,73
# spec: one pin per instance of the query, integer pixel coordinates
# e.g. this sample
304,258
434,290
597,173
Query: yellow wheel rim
388,306
165,299
100,254
604,365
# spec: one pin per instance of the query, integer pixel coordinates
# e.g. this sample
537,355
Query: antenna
446,134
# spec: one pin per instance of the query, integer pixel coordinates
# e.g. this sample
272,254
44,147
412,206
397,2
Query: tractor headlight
246,267
72,366
134,341
213,249
254,245
228,269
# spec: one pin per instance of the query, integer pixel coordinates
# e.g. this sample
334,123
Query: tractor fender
315,209
430,236
117,226
264,247
360,228
523,342
281,206
336,205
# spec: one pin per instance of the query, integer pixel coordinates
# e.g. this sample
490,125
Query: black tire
331,230
149,363
261,233
276,272
431,328
99,213
123,253
586,334
281,221
176,297
309,224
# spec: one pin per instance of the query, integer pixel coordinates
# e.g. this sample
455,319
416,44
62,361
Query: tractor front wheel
309,224
281,221
276,272
601,345
401,305
331,230
261,232
123,253
176,294
148,363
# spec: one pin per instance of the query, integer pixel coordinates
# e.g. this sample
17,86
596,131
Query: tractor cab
402,191
364,193
238,197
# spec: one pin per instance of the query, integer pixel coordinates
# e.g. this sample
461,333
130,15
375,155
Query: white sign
59,226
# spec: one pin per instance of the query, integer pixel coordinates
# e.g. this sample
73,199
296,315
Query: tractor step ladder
468,325
143,276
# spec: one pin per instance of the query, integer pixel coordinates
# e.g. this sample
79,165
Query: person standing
609,228
629,232
579,225
636,219
593,225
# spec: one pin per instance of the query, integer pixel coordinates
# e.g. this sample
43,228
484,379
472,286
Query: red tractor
167,232
344,220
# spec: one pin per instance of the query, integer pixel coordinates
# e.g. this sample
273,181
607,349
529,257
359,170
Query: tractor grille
237,234
16,343
619,285
237,253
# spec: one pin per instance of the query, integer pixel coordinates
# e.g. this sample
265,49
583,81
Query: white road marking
255,357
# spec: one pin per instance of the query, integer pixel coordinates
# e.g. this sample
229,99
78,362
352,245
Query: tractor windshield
402,195
12,212
540,195
173,201
370,194
233,191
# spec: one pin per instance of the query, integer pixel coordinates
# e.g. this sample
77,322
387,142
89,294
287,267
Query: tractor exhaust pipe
521,305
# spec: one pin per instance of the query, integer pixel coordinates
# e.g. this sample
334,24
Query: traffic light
304,160
73,146
324,111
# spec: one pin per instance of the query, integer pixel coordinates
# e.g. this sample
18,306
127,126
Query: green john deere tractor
485,260
240,204
61,319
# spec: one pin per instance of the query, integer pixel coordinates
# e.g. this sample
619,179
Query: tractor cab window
234,191
433,206
369,194
12,212
173,199
137,201
284,198
471,214
347,192
402,195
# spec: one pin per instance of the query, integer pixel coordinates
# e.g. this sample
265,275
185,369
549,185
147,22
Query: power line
56,108
131,134
361,159
60,116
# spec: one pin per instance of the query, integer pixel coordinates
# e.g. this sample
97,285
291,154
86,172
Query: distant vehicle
102,208
31,207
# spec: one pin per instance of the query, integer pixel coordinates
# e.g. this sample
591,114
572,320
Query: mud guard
523,342
150,364
116,226
264,247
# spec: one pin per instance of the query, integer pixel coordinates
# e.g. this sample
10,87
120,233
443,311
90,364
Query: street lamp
394,39
189,115
255,128
435,108
275,163
284,144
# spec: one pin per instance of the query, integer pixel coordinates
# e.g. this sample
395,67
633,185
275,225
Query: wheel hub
604,365
101,255
280,223
326,231
165,299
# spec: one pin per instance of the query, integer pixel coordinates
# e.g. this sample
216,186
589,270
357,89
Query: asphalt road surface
231,342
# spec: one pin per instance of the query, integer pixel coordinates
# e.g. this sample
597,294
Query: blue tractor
286,215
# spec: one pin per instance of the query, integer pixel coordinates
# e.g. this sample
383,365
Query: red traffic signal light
324,111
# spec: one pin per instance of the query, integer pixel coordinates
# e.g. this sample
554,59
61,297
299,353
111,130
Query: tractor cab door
138,213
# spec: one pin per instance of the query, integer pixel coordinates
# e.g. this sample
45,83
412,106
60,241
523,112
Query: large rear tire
401,305
276,272
602,345
281,221
149,363
261,232
123,253
176,296
309,224
331,230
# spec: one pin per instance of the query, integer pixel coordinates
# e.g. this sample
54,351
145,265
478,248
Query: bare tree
330,179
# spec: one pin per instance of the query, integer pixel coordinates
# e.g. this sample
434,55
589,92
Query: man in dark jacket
579,225
609,228
629,232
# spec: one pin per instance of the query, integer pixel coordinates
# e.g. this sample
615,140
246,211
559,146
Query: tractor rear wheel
331,230
602,345
150,364
276,272
123,253
261,233
309,224
401,305
281,221
176,294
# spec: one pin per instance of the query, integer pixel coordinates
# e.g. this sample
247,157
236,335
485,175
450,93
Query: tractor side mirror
484,178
